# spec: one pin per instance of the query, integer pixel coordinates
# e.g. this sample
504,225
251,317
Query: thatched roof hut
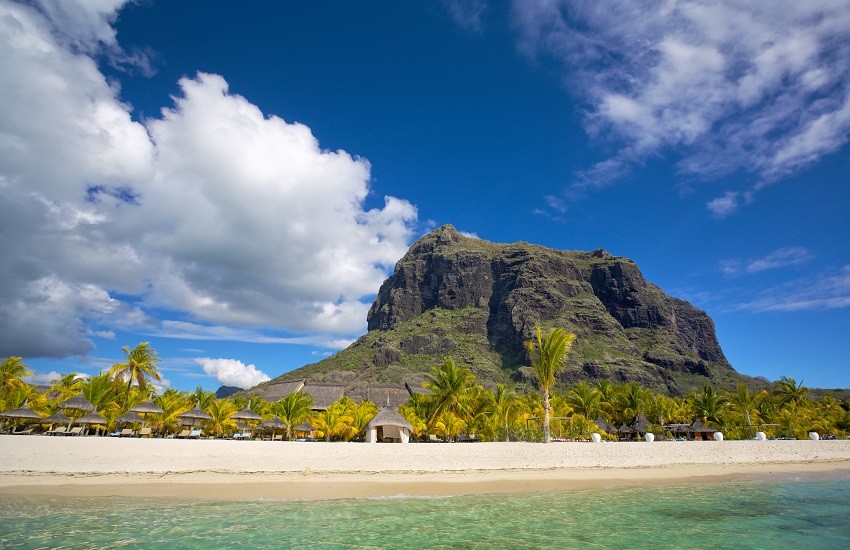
388,425
276,392
246,414
604,425
148,407
324,395
21,413
641,424
78,403
129,418
379,394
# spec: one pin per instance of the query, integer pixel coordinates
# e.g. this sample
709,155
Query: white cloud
788,256
48,378
190,331
830,290
218,211
784,257
761,87
725,205
232,372
467,14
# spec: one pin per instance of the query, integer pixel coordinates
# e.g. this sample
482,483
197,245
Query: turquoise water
791,513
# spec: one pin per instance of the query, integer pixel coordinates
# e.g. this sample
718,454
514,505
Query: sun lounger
194,434
61,430
145,432
434,439
76,430
184,434
23,431
127,432
241,435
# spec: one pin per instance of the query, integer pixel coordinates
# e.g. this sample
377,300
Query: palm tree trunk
507,435
547,437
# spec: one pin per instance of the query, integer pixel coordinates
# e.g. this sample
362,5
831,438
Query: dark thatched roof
699,427
324,395
604,425
23,412
148,407
273,423
57,418
129,418
78,403
388,416
641,424
93,418
246,414
304,427
276,392
195,414
625,429
398,395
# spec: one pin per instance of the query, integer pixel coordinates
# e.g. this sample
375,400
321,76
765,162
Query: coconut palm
220,411
12,369
172,402
633,400
332,422
67,385
361,415
548,358
787,391
504,405
709,404
450,425
449,385
585,399
201,398
141,363
293,409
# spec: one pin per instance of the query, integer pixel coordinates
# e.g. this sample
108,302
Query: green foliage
548,358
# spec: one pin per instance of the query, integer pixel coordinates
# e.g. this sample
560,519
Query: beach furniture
127,432
184,434
194,434
57,431
145,432
21,431
76,430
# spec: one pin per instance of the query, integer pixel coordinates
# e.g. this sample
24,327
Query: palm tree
140,363
505,403
709,404
201,398
293,409
633,400
220,411
548,358
788,391
585,399
12,369
448,385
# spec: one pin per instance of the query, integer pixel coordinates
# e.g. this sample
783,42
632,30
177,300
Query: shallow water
790,513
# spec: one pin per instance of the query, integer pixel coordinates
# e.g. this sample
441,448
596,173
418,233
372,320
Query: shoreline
237,470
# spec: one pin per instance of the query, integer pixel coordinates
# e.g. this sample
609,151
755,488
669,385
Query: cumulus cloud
232,372
215,211
757,87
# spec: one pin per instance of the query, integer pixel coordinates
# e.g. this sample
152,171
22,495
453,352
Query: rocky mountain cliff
477,302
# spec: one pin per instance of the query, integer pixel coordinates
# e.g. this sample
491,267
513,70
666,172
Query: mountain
476,302
226,391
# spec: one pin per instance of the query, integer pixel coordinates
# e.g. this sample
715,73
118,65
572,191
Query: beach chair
145,432
434,439
127,432
61,430
184,434
194,434
76,430
22,431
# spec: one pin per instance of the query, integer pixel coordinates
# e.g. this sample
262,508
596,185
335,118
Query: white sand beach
221,469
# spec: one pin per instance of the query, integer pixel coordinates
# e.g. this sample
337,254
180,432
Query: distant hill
226,391
476,302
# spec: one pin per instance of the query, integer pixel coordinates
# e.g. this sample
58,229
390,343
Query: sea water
788,513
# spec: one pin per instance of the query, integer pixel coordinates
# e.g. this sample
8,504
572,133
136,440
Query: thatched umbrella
146,408
57,418
274,423
246,414
129,418
305,427
21,413
78,403
92,418
192,417
604,425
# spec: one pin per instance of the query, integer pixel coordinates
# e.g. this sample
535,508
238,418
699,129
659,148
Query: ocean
784,513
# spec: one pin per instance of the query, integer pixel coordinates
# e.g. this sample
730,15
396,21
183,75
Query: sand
219,469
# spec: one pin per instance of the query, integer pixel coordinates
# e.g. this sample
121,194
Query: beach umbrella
146,408
21,413
246,414
78,403
604,425
92,418
193,416
129,418
57,418
274,423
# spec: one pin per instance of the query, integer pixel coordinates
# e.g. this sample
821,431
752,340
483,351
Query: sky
232,182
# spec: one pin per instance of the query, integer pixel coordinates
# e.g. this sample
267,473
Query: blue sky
233,183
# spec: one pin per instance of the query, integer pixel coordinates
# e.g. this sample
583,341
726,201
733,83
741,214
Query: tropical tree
172,402
709,404
632,400
67,385
12,369
787,391
220,411
449,385
332,422
140,363
450,426
504,405
293,409
585,400
548,358
201,398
